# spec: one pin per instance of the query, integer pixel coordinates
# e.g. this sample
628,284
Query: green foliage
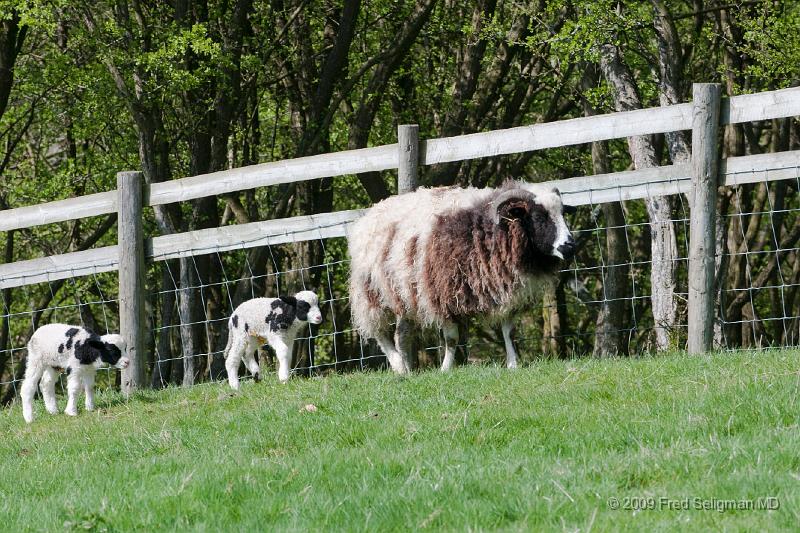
771,39
167,66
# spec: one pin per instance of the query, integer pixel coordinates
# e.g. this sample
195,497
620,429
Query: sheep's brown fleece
473,265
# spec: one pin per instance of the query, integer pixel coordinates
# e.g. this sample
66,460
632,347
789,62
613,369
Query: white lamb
75,349
274,321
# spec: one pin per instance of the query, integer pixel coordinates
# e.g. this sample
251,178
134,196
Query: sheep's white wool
368,239
80,352
388,248
274,321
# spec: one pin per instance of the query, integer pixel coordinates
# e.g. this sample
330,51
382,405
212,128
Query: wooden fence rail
586,190
745,108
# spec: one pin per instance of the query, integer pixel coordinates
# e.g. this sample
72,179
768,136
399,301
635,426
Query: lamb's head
541,213
308,307
112,348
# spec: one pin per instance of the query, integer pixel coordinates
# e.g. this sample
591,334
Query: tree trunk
5,327
610,329
188,316
162,365
664,247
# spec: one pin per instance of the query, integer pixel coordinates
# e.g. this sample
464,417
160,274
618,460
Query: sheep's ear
570,209
97,344
512,205
289,300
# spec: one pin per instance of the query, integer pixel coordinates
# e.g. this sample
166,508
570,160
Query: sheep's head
541,213
308,307
112,348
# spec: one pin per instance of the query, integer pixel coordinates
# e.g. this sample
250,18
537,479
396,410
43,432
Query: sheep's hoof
52,410
71,412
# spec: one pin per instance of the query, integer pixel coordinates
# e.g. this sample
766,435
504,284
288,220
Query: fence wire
603,297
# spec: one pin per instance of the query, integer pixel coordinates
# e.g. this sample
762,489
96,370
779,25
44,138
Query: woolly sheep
275,321
75,349
437,255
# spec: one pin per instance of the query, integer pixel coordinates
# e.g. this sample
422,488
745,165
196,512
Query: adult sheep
436,255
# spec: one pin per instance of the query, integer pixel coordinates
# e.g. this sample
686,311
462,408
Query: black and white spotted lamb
75,349
274,321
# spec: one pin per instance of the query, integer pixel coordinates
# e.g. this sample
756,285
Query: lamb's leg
511,353
32,375
88,389
48,387
250,361
74,382
233,359
403,341
284,353
450,331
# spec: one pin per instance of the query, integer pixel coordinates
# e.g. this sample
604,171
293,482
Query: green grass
480,448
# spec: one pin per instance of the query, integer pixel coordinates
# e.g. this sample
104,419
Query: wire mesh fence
601,304
760,265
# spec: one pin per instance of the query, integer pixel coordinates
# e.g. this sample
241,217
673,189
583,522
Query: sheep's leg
250,361
396,360
88,389
32,375
511,353
238,346
48,387
402,341
284,353
74,382
450,331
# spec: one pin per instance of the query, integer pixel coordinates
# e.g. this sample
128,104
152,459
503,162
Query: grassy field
550,446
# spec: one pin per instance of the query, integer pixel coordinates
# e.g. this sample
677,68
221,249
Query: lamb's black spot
302,310
246,327
110,354
235,321
70,333
60,348
283,313
87,352
93,348
69,370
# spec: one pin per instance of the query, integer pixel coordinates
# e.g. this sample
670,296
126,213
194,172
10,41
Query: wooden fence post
407,174
703,216
408,167
131,276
